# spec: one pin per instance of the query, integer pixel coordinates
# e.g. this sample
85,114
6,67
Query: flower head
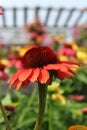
77,127
40,64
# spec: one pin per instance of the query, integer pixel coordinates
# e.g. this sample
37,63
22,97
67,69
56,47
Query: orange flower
77,127
84,110
40,64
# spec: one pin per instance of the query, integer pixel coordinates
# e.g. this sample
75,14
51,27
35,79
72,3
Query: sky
44,3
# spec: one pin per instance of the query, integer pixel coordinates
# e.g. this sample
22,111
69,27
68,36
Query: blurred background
61,25
59,16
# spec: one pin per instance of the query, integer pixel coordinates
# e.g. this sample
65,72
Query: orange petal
13,84
63,68
52,67
44,76
24,75
35,75
25,83
71,71
15,76
18,85
62,75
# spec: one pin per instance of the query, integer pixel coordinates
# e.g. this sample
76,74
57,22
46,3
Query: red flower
67,52
40,64
77,97
1,44
14,60
3,75
1,13
84,110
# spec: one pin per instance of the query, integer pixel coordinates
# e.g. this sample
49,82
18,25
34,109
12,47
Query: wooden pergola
11,26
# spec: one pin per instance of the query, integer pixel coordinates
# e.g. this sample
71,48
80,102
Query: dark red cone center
39,57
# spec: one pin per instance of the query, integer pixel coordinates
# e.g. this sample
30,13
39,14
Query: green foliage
57,116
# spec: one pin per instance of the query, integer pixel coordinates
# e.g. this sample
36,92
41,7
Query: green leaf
7,99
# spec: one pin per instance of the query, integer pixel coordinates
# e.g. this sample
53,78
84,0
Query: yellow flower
53,87
82,56
75,46
59,97
23,50
4,61
63,58
60,37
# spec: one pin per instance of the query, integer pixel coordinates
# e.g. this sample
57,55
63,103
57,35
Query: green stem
42,102
5,117
50,114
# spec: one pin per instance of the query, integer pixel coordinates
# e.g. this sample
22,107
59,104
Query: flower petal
52,67
25,83
24,75
44,76
61,67
18,85
14,84
15,76
35,75
62,75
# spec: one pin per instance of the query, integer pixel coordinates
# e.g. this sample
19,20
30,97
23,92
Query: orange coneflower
78,127
40,64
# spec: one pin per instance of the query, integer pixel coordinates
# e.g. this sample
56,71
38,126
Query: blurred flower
77,97
84,110
67,52
60,37
9,108
79,34
36,33
14,60
82,55
75,46
77,127
54,87
56,92
63,58
40,64
4,61
77,113
59,97
25,48
1,44
1,13
3,75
